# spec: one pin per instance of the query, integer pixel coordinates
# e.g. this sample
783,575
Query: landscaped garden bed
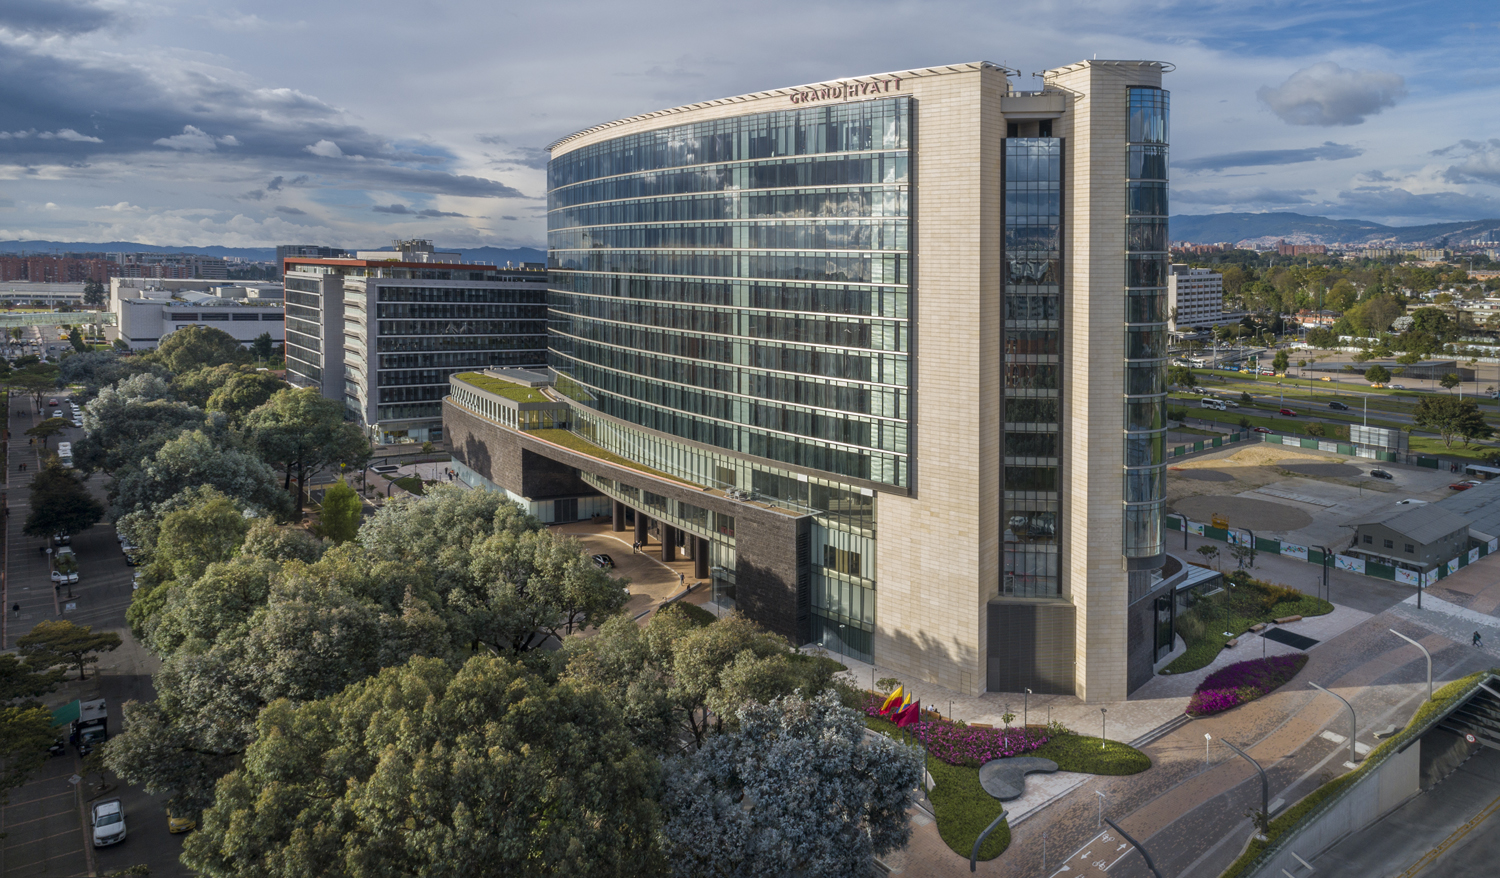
1242,602
1243,682
955,752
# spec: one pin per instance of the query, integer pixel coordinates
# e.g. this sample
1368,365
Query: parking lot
47,832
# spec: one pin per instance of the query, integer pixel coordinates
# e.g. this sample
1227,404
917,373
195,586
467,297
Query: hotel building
883,355
383,330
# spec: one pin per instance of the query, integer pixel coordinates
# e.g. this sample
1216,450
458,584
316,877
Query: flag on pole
909,715
894,698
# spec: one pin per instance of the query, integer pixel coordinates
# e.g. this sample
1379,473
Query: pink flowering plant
1240,682
958,744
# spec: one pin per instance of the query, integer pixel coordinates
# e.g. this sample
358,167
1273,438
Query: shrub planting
1242,682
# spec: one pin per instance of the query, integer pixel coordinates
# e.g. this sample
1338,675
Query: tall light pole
1102,712
1424,652
1265,782
1353,726
1135,844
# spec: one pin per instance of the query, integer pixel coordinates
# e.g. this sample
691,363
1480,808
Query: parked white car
109,823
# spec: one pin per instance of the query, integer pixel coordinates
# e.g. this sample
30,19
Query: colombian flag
893,699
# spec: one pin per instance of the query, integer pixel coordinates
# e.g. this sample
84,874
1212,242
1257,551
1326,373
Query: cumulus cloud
290,211
403,210
1478,162
67,134
1394,202
195,139
325,148
120,207
1329,151
1327,94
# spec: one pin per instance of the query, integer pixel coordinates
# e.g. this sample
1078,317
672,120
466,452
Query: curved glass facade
1146,327
743,283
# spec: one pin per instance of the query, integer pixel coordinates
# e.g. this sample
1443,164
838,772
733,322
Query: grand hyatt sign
846,90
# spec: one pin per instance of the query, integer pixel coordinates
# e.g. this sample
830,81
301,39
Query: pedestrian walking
1476,639
681,580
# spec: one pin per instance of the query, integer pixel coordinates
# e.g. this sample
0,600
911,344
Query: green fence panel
1379,570
1215,533
1309,443
1272,437
1346,449
1388,456
1314,557
1429,462
1264,545
1463,560
1197,446
1217,441
1173,523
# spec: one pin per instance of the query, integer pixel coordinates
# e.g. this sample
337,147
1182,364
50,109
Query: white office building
149,309
1195,300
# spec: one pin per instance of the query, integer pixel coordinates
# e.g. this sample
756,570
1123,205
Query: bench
1233,642
1285,619
1258,627
980,726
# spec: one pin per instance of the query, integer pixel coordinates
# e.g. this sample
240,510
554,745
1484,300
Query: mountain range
1296,228
475,256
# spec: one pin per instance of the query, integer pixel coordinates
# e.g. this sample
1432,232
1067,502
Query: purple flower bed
1243,681
958,744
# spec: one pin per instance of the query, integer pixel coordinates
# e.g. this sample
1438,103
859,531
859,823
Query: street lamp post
1265,782
1102,712
1424,652
1135,844
1026,709
1353,726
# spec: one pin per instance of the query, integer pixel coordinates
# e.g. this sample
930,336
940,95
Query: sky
350,124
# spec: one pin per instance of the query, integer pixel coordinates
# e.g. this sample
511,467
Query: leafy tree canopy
244,392
1377,374
21,680
196,459
489,770
1451,418
302,433
340,516
60,642
60,503
25,732
198,347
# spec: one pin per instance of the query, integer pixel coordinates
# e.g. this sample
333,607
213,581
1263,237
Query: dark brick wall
771,573
1140,644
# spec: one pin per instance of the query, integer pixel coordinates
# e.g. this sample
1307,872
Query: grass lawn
964,809
507,389
410,484
1433,446
1235,610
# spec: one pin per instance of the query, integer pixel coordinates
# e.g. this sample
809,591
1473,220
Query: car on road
1338,406
1382,474
1396,386
1261,430
51,402
108,821
178,823
61,539
604,562
1411,501
1288,412
1464,485
1324,378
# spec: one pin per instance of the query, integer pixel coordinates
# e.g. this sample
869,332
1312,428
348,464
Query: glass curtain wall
1032,405
1146,323
742,283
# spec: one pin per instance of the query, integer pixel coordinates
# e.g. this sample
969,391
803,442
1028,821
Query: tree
25,732
1451,417
35,380
1209,553
243,393
60,642
1181,376
1410,358
94,294
340,516
268,540
1280,361
302,433
733,807
198,347
130,421
75,338
1450,381
49,428
263,347
487,770
60,503
1321,338
21,680
210,528
197,459
1377,374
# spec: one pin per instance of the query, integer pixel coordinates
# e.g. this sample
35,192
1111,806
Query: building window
1368,540
1388,544
841,561
1410,548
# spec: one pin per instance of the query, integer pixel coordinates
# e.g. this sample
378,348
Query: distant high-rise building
313,250
383,330
884,355
1195,299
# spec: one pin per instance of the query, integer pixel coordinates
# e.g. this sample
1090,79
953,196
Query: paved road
100,599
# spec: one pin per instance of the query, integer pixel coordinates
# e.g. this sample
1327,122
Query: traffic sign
1470,738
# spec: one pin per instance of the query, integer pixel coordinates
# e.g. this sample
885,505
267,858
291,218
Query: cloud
1480,165
325,148
511,218
61,134
1392,202
290,211
1327,94
1242,196
1329,151
403,210
120,207
195,139
46,18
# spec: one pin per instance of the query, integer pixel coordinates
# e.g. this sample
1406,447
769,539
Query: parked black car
1381,474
